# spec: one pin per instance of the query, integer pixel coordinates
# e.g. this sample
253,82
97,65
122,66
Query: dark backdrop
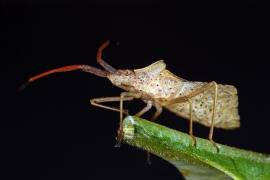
50,131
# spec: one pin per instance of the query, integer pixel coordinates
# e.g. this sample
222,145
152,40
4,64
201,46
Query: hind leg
207,86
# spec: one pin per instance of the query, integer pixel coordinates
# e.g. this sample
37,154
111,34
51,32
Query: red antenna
85,68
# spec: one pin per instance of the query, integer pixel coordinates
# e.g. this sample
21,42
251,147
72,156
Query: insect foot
194,141
214,144
119,137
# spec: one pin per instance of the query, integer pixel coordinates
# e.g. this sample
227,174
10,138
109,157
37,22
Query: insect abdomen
226,117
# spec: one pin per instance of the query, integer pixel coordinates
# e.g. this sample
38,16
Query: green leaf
201,162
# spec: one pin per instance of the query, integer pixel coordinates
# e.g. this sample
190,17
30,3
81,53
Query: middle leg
97,102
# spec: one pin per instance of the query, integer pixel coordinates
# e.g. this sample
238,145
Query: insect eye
127,73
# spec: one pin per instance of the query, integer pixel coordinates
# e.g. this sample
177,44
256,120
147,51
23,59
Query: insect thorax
164,85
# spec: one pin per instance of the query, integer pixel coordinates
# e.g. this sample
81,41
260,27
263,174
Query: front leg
97,102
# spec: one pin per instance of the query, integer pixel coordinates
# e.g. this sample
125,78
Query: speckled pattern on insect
210,104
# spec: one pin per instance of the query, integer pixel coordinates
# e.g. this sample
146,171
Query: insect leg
120,130
213,116
97,101
157,113
153,118
145,109
198,91
207,86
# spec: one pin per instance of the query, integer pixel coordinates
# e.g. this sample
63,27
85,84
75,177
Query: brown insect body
210,104
159,85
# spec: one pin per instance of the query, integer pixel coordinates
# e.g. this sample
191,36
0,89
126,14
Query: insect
207,103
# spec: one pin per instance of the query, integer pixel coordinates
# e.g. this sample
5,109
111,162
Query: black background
50,131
